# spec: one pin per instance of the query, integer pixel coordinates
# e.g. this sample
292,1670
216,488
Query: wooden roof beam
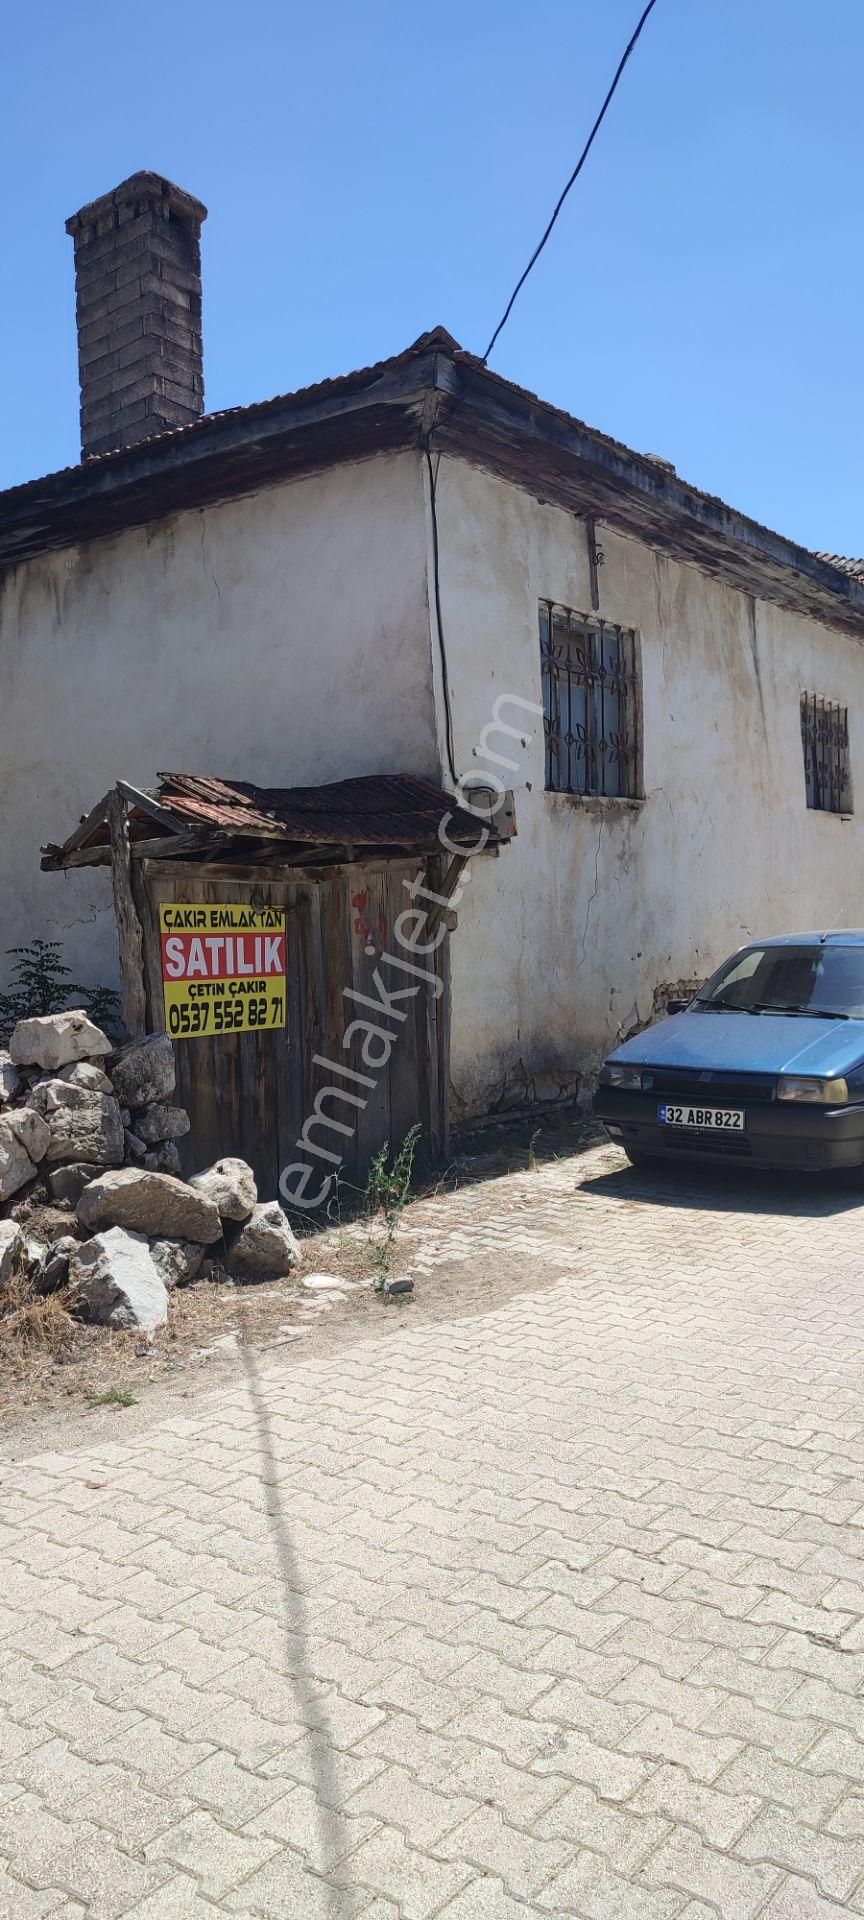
97,817
146,804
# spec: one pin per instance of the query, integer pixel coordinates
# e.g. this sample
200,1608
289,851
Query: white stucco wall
282,638
563,939
286,638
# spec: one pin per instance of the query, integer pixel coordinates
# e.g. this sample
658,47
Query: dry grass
36,1323
50,1360
48,1356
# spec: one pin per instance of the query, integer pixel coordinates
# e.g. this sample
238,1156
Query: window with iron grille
590,704
825,734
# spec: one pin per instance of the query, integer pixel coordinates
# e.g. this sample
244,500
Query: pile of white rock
99,1129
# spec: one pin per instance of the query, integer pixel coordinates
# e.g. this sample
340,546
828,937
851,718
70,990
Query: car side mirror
676,1006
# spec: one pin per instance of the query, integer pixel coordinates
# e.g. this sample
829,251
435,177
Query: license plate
702,1119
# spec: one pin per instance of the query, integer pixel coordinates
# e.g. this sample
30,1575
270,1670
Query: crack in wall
83,920
208,566
752,635
581,961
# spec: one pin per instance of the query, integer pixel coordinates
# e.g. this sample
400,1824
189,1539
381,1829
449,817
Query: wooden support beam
54,856
57,860
129,931
447,889
199,841
94,818
594,561
147,804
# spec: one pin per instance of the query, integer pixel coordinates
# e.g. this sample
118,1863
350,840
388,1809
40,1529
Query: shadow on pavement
311,1706
816,1196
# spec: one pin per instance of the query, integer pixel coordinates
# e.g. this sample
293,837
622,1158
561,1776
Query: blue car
764,1068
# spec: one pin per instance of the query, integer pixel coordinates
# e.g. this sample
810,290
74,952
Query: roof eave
489,421
481,418
224,456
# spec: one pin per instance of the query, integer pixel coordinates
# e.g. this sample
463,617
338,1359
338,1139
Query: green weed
387,1190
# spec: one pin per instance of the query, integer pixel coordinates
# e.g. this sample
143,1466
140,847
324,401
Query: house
420,568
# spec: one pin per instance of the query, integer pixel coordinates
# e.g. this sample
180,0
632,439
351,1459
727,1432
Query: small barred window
590,704
825,736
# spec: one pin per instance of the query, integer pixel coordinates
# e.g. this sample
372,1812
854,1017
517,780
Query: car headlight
825,1093
630,1077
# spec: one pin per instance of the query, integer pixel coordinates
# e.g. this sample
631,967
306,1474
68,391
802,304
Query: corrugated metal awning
198,816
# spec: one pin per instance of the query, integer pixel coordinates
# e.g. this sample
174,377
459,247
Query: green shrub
41,983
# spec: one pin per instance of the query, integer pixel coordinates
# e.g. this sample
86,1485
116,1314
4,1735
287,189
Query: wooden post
593,561
446,890
129,933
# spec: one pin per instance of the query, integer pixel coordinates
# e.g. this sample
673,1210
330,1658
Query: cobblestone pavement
551,1606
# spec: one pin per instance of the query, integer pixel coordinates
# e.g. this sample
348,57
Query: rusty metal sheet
375,809
400,811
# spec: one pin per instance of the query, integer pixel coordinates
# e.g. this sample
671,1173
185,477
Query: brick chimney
138,292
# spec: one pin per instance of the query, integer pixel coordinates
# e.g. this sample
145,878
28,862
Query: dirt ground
54,1376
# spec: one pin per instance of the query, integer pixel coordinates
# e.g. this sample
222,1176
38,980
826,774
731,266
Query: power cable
433,469
436,585
573,177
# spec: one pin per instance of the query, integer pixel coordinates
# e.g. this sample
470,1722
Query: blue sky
374,170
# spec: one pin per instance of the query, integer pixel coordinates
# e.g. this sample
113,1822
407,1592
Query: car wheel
638,1158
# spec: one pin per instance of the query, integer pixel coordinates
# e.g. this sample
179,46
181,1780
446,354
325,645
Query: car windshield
812,979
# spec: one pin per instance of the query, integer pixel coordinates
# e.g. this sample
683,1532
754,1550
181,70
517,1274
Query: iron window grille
825,735
590,704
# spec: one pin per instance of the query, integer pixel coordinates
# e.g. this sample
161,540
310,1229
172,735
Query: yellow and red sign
223,968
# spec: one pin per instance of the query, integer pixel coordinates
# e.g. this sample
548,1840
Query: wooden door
252,1094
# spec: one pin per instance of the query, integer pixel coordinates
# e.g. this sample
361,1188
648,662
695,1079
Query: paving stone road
552,1606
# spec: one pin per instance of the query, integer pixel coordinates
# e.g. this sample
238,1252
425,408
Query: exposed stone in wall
519,1092
664,992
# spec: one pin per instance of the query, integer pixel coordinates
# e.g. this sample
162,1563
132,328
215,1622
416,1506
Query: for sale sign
223,968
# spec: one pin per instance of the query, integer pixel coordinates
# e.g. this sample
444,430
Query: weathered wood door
251,1094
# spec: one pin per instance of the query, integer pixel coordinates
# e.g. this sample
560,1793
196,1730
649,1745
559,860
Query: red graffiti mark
371,930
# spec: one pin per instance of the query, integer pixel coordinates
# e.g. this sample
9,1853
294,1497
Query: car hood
748,1043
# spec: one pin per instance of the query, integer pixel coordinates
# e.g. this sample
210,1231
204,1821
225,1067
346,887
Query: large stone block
13,1250
153,1203
10,1079
16,1166
161,1122
55,1039
83,1126
66,1184
117,1280
178,1261
30,1128
145,1074
265,1248
84,1074
164,1158
230,1184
